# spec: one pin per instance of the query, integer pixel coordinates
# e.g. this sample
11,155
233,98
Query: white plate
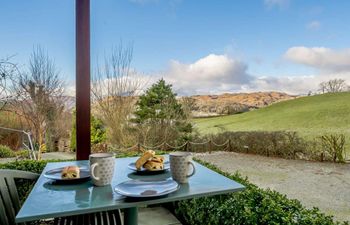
132,166
55,174
146,188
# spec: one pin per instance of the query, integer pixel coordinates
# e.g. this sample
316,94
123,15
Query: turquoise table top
47,200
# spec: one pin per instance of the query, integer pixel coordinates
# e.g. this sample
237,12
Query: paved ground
59,155
49,155
324,185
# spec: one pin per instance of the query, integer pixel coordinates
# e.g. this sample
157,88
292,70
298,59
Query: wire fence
205,146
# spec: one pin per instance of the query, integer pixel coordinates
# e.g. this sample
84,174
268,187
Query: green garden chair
10,204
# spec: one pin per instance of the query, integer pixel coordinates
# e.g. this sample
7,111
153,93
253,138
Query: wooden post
82,11
209,146
229,145
139,147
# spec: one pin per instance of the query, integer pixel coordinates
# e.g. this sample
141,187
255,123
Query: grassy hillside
310,116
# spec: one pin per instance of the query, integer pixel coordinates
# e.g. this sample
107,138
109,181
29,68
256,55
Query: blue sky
171,35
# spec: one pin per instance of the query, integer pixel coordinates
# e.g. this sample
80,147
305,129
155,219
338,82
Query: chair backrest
9,199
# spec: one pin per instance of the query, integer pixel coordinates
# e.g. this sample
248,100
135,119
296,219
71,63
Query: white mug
101,168
180,163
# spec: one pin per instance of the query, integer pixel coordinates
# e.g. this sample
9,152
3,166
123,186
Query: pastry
147,155
70,172
152,166
157,158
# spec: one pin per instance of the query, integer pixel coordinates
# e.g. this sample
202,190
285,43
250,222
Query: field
310,116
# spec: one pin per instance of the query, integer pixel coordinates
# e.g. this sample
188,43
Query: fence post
139,147
246,148
229,145
210,146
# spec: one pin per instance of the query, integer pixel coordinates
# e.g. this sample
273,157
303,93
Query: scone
152,166
157,158
70,172
144,158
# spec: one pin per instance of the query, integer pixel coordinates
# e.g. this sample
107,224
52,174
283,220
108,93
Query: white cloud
321,58
313,25
281,4
215,74
211,74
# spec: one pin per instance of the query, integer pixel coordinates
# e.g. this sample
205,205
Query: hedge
284,144
251,206
6,152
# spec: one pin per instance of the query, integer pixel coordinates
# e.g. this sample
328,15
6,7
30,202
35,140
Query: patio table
47,200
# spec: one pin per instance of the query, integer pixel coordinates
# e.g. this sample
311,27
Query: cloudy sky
200,47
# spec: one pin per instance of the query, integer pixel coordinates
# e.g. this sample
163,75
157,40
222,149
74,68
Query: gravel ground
47,156
323,185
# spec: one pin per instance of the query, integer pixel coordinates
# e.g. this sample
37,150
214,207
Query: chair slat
13,193
10,210
18,174
3,217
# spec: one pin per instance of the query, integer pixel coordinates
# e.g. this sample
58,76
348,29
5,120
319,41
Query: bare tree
114,91
37,96
189,104
333,86
8,71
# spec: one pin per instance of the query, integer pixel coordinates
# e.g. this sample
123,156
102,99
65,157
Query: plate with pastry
68,173
150,163
146,189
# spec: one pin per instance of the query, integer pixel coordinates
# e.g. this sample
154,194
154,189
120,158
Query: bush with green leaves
249,207
98,132
6,152
23,154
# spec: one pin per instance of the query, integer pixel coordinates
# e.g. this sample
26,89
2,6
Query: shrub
98,132
23,154
334,145
275,143
6,152
251,206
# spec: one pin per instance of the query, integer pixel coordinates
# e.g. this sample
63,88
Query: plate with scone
150,163
68,173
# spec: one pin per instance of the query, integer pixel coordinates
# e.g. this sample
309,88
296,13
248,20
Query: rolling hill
310,116
228,103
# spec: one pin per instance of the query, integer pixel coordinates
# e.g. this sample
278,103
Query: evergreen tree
159,112
159,102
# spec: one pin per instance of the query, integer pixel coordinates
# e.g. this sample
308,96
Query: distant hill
226,104
311,116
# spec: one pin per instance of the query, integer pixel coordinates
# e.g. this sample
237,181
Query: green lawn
310,116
